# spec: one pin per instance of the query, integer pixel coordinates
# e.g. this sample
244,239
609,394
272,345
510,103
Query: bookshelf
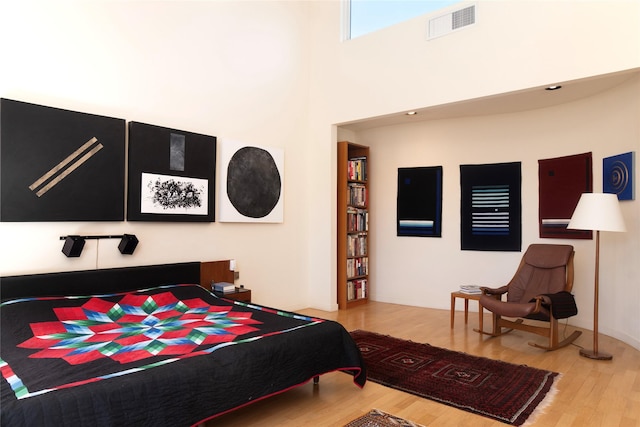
353,224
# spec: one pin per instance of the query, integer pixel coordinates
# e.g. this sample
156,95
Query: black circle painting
253,182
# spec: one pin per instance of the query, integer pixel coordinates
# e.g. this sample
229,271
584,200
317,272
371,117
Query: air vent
452,21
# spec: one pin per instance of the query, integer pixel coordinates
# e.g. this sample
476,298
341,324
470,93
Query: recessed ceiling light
411,113
554,87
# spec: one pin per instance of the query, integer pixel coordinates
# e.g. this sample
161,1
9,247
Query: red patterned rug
503,391
378,418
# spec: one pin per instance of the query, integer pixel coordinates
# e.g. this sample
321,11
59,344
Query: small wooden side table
240,294
466,297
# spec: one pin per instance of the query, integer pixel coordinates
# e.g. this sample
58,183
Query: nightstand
220,271
240,294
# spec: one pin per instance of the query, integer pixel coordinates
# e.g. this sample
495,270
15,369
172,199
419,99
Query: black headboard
90,282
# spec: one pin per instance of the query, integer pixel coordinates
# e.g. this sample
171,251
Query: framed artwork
617,175
561,181
171,175
491,207
419,202
251,183
60,165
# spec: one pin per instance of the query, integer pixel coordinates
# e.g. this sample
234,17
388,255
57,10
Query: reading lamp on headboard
74,244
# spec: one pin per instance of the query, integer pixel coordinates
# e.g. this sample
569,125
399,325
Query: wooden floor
590,393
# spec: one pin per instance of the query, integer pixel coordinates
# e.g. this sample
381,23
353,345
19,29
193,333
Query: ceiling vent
451,21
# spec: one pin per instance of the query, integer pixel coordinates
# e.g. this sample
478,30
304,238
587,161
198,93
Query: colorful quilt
172,355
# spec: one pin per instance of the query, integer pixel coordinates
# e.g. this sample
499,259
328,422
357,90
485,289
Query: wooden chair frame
537,307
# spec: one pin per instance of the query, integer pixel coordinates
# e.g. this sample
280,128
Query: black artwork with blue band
419,203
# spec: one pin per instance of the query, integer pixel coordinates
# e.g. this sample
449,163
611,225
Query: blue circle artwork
617,175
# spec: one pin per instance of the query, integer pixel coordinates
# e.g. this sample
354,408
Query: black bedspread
167,356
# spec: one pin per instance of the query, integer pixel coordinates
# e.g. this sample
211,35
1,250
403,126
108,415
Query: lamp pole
595,354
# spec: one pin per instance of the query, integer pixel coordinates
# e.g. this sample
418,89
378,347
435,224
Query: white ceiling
528,99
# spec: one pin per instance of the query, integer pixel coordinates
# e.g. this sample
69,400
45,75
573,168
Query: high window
365,16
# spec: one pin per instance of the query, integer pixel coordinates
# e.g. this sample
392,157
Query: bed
150,346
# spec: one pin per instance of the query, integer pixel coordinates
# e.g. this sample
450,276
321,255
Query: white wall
423,271
235,70
514,45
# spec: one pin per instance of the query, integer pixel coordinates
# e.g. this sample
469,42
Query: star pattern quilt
169,355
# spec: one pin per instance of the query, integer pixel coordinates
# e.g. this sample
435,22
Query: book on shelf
356,289
357,219
357,267
357,195
357,169
356,245
470,289
224,287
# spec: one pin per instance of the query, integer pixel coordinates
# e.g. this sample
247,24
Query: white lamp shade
597,211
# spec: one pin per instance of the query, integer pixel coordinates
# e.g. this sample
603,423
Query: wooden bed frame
85,282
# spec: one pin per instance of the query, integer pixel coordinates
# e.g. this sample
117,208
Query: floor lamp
597,212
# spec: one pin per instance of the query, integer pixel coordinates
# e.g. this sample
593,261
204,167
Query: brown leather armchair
539,290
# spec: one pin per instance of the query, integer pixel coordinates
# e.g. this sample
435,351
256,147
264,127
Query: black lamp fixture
128,244
74,244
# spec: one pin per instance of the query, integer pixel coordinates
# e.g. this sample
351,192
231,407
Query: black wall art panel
171,175
60,165
491,208
419,201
